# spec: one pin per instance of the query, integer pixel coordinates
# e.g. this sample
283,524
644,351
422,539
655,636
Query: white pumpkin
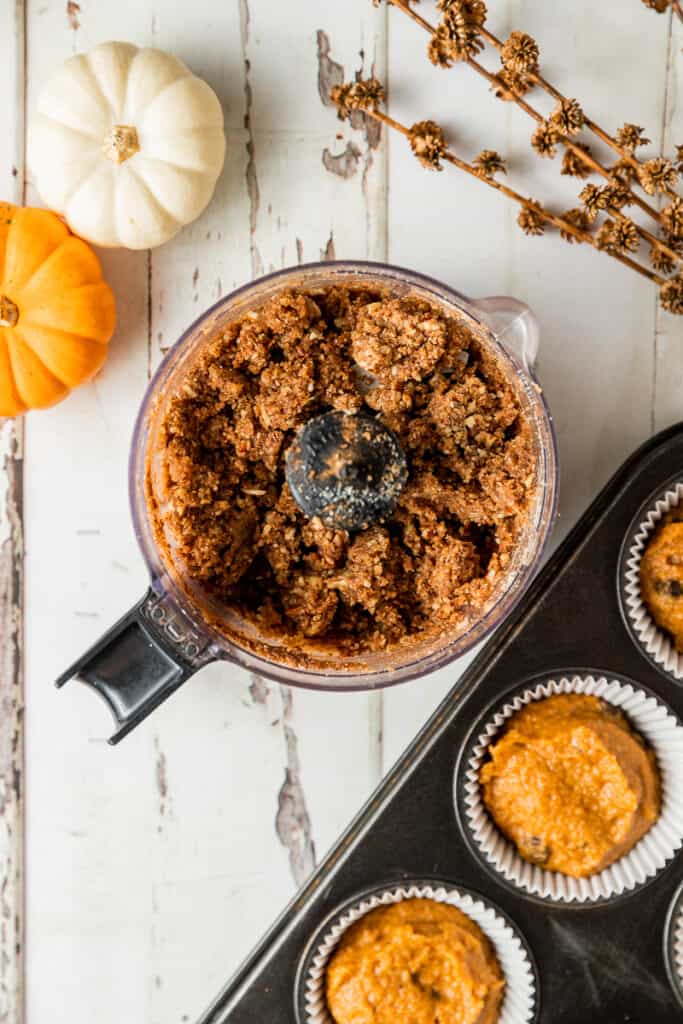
127,144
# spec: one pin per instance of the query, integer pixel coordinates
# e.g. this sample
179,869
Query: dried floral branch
429,145
519,54
663,5
619,143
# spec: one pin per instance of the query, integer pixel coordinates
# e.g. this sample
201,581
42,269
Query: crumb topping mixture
224,515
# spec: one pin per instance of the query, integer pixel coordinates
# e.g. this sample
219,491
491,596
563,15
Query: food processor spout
514,326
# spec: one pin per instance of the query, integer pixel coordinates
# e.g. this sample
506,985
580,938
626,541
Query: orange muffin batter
661,577
414,962
571,784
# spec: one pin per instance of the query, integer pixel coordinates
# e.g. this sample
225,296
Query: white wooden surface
152,868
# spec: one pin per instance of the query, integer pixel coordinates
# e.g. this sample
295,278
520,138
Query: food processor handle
515,327
142,660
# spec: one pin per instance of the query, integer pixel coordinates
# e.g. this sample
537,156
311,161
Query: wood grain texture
154,867
12,784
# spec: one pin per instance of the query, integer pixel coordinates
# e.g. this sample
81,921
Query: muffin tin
610,958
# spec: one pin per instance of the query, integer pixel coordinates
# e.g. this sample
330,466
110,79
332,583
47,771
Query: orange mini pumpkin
56,312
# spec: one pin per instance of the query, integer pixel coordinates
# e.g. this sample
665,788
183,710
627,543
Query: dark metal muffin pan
603,962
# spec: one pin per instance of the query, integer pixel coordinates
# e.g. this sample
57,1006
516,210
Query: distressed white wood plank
89,902
668,376
597,319
12,779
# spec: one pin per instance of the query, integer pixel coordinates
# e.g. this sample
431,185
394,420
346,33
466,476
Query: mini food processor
175,628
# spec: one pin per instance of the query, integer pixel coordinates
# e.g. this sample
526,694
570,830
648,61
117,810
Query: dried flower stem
588,159
592,126
677,8
551,218
585,157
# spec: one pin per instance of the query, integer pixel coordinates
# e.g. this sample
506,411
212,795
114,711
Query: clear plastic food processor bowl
175,629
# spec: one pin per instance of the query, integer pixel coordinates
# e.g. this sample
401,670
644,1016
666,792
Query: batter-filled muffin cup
673,944
641,743
506,955
651,584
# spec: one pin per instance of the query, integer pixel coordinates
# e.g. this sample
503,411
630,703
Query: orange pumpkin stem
120,143
9,313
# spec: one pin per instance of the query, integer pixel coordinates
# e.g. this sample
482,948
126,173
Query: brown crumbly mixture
225,517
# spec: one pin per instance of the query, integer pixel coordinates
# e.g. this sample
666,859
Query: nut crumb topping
224,516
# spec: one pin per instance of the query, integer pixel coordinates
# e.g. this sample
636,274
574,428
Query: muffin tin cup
650,717
654,643
673,944
520,1002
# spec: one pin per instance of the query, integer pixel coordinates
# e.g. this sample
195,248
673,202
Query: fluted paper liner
674,945
654,641
519,1000
658,727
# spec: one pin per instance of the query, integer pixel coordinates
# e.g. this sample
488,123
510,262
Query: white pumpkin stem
120,143
9,313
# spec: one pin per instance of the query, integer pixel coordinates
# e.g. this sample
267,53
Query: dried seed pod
568,117
657,5
657,175
488,163
619,236
622,173
428,144
573,164
531,219
630,136
593,199
511,85
442,49
520,53
454,40
604,237
545,139
471,12
672,217
366,94
671,295
625,236
616,196
467,39
661,261
579,219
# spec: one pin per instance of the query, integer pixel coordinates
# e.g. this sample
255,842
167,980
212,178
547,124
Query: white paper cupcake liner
654,642
519,1001
674,944
661,730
